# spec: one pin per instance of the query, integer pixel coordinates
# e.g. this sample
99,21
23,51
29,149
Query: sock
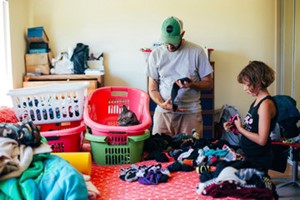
174,91
175,167
161,157
188,162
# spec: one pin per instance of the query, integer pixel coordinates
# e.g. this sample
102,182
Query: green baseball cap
171,31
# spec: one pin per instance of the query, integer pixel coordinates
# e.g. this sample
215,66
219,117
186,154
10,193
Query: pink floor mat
181,185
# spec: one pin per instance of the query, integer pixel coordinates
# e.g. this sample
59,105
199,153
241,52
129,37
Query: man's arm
155,95
206,83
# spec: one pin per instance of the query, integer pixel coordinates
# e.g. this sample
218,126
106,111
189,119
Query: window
290,48
5,61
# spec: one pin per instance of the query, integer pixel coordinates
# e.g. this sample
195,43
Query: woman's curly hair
257,75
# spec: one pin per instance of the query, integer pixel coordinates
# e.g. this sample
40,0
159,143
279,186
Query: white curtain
5,55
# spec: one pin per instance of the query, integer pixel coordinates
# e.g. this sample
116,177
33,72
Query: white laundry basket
50,103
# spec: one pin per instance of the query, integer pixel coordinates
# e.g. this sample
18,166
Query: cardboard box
38,63
43,69
37,34
38,58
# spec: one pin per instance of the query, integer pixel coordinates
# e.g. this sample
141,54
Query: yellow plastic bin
81,161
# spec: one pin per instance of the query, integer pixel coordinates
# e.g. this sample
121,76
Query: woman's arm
266,112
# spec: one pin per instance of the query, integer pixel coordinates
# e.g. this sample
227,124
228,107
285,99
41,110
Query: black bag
80,57
287,116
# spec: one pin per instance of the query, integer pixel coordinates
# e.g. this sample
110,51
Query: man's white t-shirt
191,61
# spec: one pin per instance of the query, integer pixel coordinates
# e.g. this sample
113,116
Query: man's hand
184,83
167,104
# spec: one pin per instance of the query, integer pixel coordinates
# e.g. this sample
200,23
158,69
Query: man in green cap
177,70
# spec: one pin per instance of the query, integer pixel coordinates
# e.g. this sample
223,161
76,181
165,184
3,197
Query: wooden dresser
95,81
208,109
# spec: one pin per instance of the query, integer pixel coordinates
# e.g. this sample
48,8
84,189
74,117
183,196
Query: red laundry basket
64,136
104,105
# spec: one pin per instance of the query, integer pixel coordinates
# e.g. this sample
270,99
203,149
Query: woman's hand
234,124
227,126
238,123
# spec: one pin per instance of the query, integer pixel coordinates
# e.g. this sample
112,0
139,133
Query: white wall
238,30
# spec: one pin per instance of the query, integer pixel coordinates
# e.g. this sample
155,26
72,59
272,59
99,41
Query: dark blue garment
287,116
286,106
175,89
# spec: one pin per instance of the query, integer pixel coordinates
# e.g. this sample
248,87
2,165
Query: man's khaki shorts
175,123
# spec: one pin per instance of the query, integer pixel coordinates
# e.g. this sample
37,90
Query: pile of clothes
219,165
28,170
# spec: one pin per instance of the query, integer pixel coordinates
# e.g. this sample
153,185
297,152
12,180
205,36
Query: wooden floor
289,192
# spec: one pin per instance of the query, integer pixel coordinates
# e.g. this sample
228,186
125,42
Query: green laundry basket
114,154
